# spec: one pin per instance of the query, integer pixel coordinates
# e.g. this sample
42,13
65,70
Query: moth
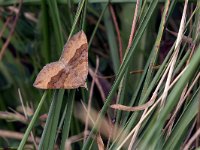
71,70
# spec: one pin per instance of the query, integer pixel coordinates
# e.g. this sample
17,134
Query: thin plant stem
31,124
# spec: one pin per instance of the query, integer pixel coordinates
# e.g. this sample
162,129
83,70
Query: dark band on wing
78,55
58,80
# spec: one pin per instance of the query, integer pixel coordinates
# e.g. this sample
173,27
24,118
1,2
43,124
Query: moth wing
72,69
78,62
77,76
49,74
74,43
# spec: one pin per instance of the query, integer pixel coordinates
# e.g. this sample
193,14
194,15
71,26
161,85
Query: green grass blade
45,134
84,15
45,32
110,30
56,23
68,116
49,133
78,12
33,120
97,25
182,126
156,48
173,99
121,71
58,98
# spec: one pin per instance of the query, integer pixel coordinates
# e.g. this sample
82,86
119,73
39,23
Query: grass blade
68,116
35,116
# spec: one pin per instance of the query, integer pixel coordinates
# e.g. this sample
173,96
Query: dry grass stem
144,106
182,99
136,108
133,139
99,86
141,71
5,45
100,143
16,135
28,15
185,38
26,116
105,126
192,139
13,117
118,33
4,26
175,55
133,28
189,134
150,110
91,94
74,139
180,103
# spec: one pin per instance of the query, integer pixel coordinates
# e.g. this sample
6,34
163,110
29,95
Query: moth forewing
71,70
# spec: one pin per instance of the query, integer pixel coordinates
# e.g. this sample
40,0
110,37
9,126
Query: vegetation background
144,59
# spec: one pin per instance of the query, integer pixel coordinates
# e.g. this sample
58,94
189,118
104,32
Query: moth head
40,82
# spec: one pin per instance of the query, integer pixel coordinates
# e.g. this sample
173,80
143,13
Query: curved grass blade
172,99
180,129
35,116
121,71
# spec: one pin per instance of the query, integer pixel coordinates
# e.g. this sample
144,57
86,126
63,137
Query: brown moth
71,70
